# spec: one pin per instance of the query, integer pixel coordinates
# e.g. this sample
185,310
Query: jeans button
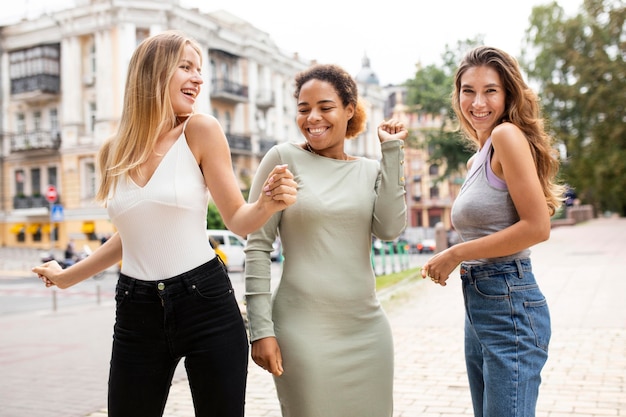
161,286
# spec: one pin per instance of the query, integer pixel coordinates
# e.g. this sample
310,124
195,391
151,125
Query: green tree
213,218
578,64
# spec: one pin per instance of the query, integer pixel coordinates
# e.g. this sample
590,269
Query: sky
395,35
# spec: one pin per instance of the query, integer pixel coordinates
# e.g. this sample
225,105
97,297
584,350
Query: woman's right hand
279,189
266,354
49,273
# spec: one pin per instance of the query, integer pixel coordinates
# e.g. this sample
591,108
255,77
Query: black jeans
194,315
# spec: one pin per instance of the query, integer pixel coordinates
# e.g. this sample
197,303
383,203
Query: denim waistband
494,268
184,282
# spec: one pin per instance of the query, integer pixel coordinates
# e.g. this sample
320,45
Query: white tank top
163,224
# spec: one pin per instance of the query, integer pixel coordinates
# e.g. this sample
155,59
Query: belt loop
131,285
520,270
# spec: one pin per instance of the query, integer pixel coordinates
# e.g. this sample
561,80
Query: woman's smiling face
482,99
185,83
322,118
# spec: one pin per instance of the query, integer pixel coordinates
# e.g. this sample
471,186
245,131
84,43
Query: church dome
366,75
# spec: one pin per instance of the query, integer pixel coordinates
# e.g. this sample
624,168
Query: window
52,176
35,181
20,178
227,123
92,117
88,176
20,123
54,120
37,120
141,34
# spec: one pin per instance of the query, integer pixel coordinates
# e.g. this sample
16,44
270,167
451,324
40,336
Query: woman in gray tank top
503,209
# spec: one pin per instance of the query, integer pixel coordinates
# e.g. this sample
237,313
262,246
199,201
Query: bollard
54,300
98,294
441,237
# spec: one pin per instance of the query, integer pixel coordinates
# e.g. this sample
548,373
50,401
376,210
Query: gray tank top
484,205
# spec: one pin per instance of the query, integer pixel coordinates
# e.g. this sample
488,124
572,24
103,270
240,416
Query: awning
88,227
17,228
33,228
46,229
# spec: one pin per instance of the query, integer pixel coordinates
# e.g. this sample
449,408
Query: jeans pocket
121,294
492,287
539,318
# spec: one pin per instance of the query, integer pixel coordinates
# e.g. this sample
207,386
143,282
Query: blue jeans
507,330
194,315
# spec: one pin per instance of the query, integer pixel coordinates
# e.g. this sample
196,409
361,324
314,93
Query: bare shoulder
508,135
205,137
202,126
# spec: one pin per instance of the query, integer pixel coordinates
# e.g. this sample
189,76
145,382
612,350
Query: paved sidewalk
56,364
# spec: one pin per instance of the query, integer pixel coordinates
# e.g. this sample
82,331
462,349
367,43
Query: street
55,364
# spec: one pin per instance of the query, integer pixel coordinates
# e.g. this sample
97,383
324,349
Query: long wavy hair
346,89
147,109
522,109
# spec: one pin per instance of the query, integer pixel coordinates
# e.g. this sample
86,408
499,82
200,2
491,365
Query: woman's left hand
439,267
392,129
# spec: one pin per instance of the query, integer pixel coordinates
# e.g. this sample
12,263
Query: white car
232,245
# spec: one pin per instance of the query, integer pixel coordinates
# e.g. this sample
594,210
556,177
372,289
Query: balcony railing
39,139
239,143
33,201
42,83
228,90
265,145
265,99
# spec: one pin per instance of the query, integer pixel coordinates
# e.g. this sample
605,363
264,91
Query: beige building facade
61,89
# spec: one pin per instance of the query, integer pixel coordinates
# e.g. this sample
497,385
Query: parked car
218,251
427,246
232,245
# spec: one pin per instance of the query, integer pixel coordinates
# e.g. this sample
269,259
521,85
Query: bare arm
103,257
210,146
513,162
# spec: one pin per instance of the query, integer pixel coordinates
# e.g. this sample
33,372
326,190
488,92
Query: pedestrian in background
174,298
324,335
503,208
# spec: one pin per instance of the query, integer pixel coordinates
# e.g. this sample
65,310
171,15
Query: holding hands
392,129
279,189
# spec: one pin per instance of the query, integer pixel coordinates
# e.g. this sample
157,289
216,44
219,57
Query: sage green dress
334,336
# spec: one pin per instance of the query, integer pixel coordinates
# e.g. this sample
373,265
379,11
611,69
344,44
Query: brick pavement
579,270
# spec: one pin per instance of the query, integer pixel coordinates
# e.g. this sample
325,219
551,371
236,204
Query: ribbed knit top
163,224
484,205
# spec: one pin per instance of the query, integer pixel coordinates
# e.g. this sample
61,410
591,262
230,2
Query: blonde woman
174,297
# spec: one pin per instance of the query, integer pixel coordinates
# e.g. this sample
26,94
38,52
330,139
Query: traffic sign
51,194
56,214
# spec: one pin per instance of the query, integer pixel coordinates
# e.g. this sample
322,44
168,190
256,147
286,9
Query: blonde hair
521,109
147,110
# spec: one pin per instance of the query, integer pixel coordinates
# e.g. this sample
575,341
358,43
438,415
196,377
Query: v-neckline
156,169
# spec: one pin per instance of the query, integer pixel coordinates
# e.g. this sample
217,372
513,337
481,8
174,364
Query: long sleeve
390,216
258,293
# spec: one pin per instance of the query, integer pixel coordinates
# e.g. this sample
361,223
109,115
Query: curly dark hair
346,89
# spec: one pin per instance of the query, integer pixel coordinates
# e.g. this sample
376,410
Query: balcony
265,145
265,99
34,201
36,85
239,143
229,91
34,140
